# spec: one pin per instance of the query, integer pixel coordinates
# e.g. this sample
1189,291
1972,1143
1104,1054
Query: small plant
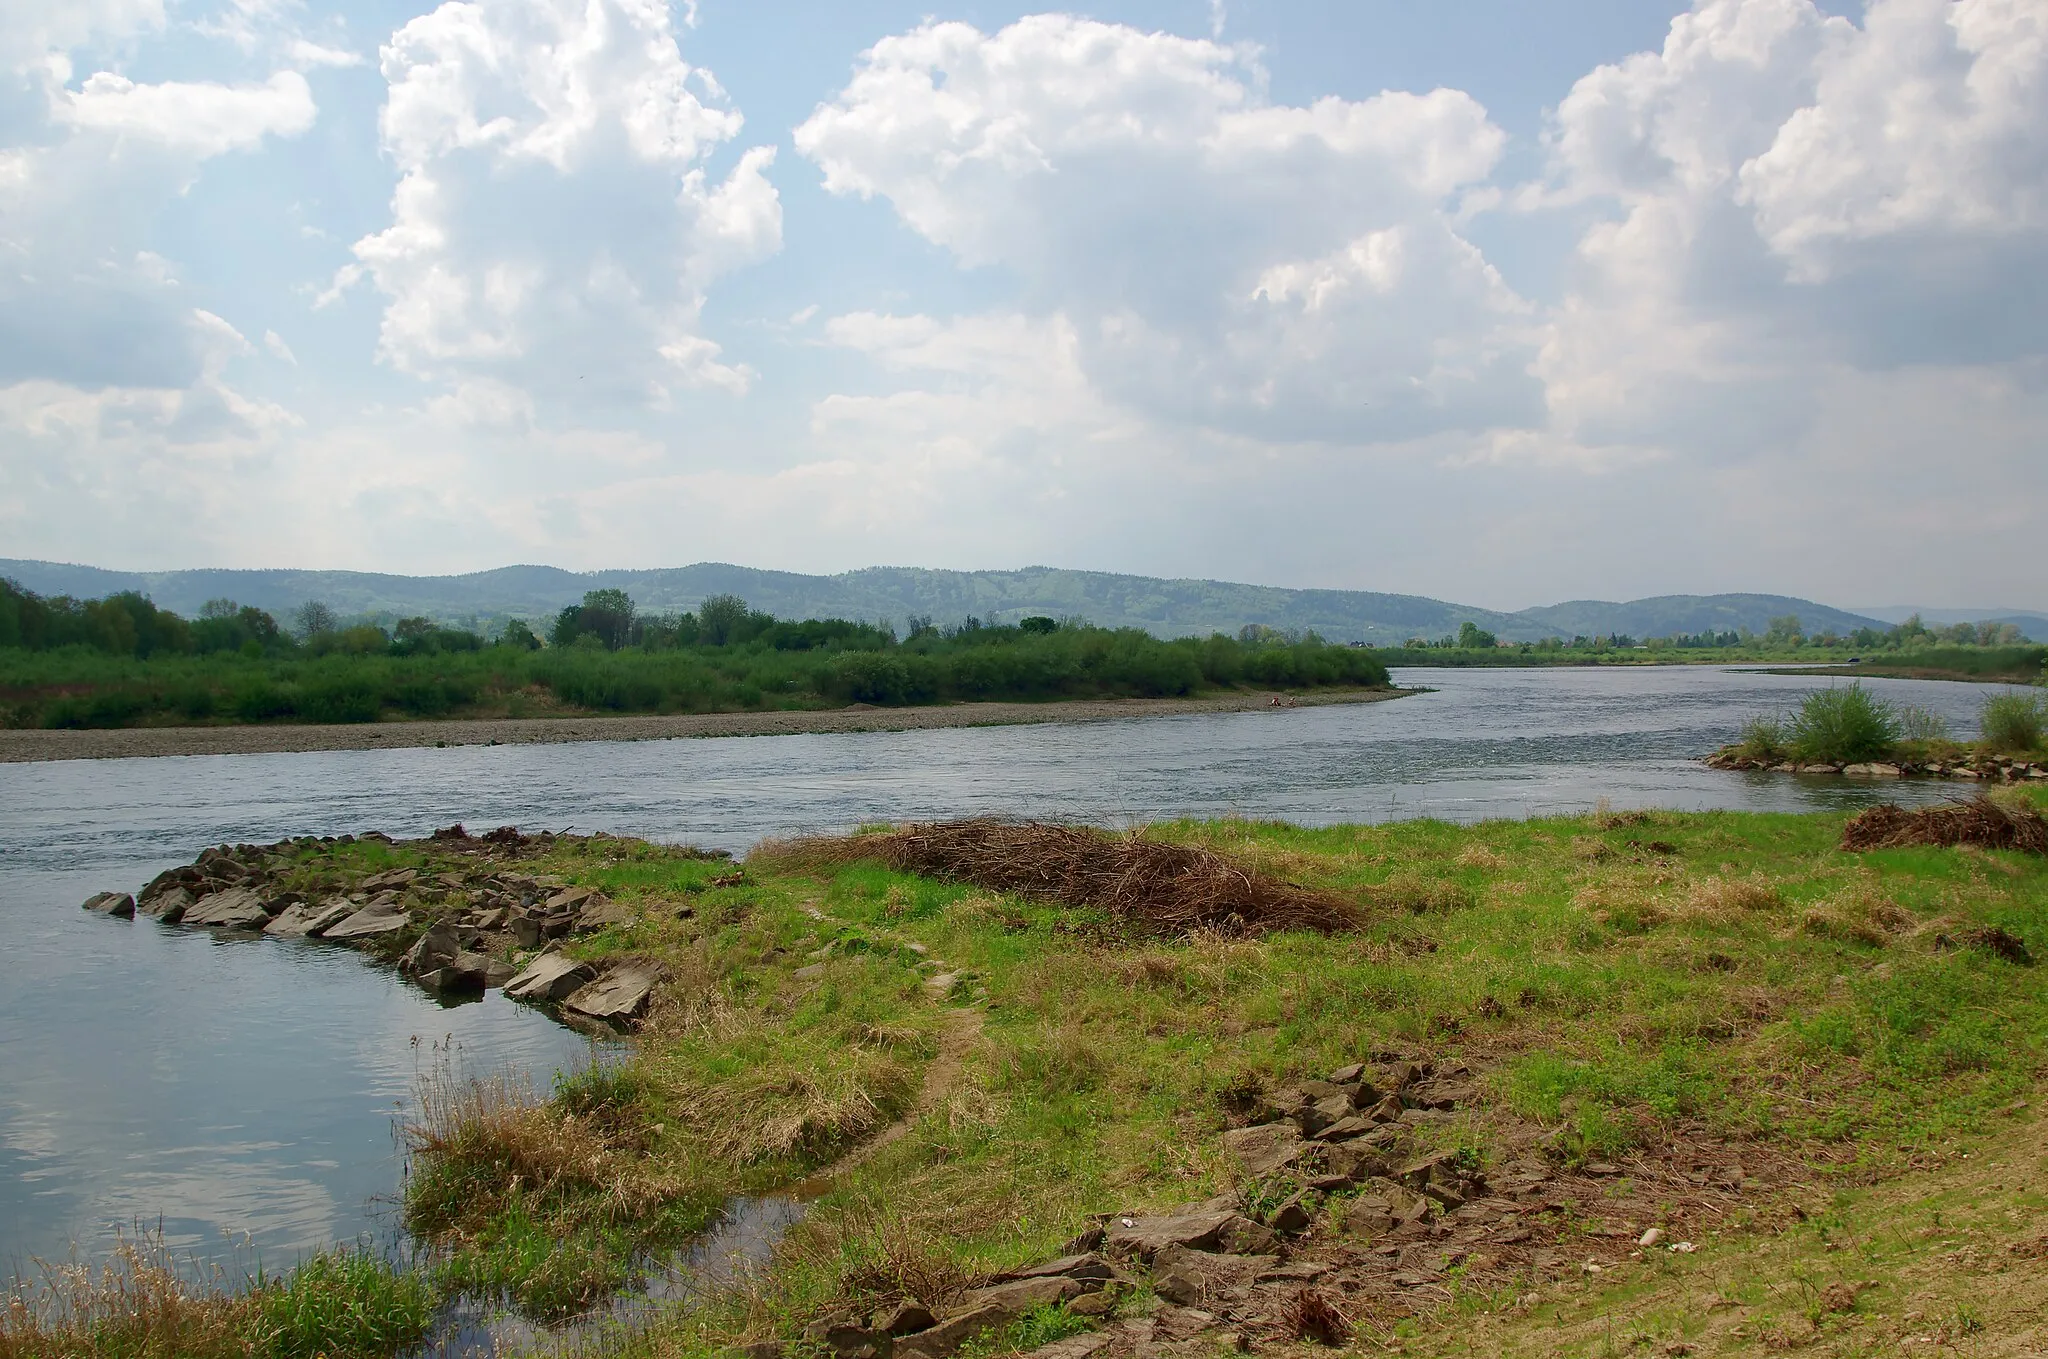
1763,738
1309,1315
1922,724
1843,725
2013,723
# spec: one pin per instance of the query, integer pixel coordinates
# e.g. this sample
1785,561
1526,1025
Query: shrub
341,701
2013,723
1922,724
1840,725
1763,738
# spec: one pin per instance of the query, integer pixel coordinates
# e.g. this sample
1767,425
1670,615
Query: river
242,1093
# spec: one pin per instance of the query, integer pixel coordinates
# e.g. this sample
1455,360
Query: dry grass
1983,822
134,1303
1480,857
498,1131
1725,898
782,1111
1172,889
1310,1315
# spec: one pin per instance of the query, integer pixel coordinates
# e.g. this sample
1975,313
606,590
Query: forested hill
1167,608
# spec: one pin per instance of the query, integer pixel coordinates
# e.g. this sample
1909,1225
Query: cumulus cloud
1796,191
1290,271
555,224
200,118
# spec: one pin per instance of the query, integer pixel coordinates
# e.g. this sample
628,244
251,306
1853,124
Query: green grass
1610,977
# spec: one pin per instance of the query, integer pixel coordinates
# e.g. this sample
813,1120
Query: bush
1843,726
2012,723
1763,738
347,700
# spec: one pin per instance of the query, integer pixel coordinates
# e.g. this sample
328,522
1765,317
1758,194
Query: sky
1483,300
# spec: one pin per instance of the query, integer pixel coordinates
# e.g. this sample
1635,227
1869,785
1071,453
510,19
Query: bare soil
143,742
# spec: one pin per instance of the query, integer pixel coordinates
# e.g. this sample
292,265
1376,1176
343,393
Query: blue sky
1490,301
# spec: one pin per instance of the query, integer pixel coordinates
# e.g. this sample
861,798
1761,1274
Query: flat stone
117,904
617,997
238,908
1073,1347
953,1332
570,899
497,972
391,880
600,914
1024,1295
369,922
291,922
434,949
1145,1237
464,974
1266,1149
906,1318
1087,1265
550,977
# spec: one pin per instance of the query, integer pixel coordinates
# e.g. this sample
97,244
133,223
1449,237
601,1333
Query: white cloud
1797,193
31,31
555,225
1143,190
200,118
275,343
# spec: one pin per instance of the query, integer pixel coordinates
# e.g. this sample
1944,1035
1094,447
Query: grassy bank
1720,1025
1621,987
1981,665
1978,664
79,687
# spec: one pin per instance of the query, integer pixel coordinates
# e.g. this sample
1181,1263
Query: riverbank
1238,1083
2027,673
17,746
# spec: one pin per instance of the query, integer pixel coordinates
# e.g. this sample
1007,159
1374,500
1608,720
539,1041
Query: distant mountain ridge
1166,608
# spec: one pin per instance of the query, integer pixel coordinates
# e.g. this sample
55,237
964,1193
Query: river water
242,1093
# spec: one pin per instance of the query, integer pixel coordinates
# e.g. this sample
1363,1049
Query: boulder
618,997
1323,1113
599,914
571,899
1088,1267
237,908
372,920
497,972
167,904
905,1318
985,1309
433,950
117,904
1145,1237
463,974
1204,1278
394,880
327,915
1383,1205
550,977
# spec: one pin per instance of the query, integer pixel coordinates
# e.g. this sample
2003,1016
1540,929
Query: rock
1292,1217
570,899
1024,1295
1178,1286
489,920
1348,1075
434,949
905,1318
1073,1347
327,915
618,997
1242,1236
1087,1267
952,1333
526,930
1353,1161
943,984
1323,1113
550,977
1388,1110
1145,1237
599,914
394,880
1383,1205
847,1339
1344,1129
290,923
370,921
463,974
759,1349
168,904
117,904
237,908
497,972
1266,1149
1093,1304
809,972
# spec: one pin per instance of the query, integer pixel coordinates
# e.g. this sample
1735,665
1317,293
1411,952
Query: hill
1166,608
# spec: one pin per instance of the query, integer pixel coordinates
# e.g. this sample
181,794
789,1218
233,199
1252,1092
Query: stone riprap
455,933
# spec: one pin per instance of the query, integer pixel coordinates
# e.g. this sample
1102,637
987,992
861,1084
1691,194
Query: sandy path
132,742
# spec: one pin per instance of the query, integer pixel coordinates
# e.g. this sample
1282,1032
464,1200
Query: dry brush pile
1163,888
1981,822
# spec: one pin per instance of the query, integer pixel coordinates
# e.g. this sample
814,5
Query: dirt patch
1173,889
1980,822
260,739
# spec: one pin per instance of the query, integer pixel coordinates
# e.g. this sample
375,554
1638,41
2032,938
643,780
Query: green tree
312,619
1784,631
721,619
1475,638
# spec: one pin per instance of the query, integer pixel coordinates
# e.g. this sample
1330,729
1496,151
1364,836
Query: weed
2013,723
1843,725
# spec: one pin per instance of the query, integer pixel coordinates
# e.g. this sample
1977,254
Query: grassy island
1668,1083
1847,728
122,662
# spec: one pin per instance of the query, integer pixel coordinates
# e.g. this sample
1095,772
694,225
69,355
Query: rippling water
248,1087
